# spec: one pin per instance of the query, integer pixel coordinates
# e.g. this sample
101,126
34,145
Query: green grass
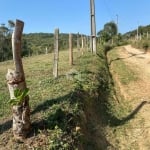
125,73
67,113
56,104
120,112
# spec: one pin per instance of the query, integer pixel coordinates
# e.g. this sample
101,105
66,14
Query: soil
137,93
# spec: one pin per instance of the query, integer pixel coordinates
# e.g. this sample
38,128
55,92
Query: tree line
40,43
32,43
5,40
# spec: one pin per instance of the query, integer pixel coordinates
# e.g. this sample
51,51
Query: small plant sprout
19,96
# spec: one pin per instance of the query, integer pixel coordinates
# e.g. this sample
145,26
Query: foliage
139,38
141,44
142,30
19,96
5,44
107,47
32,43
111,28
39,42
104,36
66,113
145,45
59,105
109,31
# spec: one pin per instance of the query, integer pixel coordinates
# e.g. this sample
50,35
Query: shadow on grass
48,103
104,85
112,121
5,126
58,117
41,107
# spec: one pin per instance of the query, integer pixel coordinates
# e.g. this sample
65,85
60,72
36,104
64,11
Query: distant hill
142,30
37,43
34,44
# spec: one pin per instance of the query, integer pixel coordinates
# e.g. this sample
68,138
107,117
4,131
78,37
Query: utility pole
93,26
137,32
117,24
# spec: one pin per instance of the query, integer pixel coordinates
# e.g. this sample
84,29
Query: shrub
145,46
107,47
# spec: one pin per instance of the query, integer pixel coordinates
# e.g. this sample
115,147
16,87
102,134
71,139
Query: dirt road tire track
136,93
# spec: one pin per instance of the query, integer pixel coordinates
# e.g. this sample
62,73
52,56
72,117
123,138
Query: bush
107,47
142,44
145,45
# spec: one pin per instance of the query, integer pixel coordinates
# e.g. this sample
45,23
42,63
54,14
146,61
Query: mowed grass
69,112
55,103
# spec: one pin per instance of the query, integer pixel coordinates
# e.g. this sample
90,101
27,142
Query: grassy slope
76,113
63,111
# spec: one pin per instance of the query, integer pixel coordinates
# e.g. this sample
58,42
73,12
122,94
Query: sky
72,16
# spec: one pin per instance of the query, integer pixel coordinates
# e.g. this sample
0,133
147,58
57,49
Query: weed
125,73
19,96
63,109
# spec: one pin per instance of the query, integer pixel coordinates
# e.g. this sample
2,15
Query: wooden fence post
46,50
56,53
16,81
78,43
82,39
86,43
82,43
70,50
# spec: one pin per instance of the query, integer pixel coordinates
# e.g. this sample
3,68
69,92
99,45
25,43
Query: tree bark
16,80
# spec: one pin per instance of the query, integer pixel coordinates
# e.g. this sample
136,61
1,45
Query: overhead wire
109,11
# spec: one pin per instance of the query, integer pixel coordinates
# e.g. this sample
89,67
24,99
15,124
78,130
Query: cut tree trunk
16,80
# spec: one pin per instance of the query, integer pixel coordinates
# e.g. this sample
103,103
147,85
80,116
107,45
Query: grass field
77,111
56,104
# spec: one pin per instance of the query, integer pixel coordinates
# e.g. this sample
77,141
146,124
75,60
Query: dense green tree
104,36
11,25
111,28
4,43
32,43
109,32
3,30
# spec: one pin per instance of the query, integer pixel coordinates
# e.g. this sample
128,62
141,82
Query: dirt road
138,94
